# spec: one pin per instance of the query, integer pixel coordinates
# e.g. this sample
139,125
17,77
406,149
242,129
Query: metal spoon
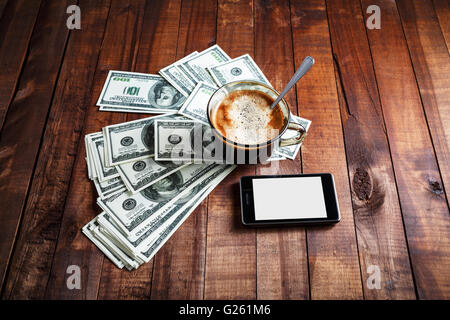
304,67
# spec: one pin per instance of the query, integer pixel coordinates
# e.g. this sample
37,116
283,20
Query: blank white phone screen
288,198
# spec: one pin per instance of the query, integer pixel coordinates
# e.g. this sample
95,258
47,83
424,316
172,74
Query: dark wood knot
362,184
435,186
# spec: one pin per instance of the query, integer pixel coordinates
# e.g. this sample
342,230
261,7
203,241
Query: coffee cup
248,130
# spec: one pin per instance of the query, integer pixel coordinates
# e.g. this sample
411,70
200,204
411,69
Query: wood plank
30,265
73,248
16,27
157,48
431,63
424,207
332,251
23,128
379,225
179,266
380,232
231,248
442,10
158,44
282,265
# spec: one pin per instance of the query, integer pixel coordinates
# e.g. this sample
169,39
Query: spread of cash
147,173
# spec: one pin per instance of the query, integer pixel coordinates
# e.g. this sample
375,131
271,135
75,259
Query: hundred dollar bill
131,141
89,168
168,229
111,246
196,105
157,211
149,93
240,68
134,247
131,247
177,78
182,140
96,144
290,152
127,110
276,157
92,171
131,211
196,66
87,230
143,173
109,187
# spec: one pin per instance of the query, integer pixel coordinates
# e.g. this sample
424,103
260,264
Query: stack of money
147,187
144,201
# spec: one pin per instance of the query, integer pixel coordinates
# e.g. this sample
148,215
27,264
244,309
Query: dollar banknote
276,157
141,174
240,68
167,229
131,141
178,78
122,109
178,140
132,211
143,248
161,214
92,171
96,146
196,66
290,152
184,140
120,244
103,236
88,232
109,187
146,93
196,105
89,168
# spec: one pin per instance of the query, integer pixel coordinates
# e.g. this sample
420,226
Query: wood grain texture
158,44
231,249
16,26
27,114
378,100
282,265
332,251
30,265
424,207
431,63
157,48
118,52
442,10
179,266
379,225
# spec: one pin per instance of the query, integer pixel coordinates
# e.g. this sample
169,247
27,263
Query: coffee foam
245,117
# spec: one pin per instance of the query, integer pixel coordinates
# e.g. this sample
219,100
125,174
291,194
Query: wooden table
379,101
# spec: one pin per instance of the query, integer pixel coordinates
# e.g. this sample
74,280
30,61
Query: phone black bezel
329,191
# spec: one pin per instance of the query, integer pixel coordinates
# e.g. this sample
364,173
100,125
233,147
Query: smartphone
297,199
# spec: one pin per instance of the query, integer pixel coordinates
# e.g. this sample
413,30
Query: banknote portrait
167,188
165,96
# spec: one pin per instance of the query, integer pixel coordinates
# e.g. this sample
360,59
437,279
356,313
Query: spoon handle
304,67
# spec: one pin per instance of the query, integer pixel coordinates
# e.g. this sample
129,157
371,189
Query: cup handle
301,134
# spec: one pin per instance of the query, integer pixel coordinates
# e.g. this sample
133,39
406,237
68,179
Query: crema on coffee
245,117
